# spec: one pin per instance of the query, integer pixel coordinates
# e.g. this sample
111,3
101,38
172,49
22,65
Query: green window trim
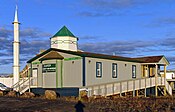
98,69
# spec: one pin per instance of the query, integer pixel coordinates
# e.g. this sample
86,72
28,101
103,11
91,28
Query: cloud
169,42
113,4
103,8
162,22
32,47
100,8
6,43
6,61
117,47
171,58
33,33
3,54
5,33
166,21
96,14
30,43
87,37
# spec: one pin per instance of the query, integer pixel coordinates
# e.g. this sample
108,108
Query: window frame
98,64
114,65
134,69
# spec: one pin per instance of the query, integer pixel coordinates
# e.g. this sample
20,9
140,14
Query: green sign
49,68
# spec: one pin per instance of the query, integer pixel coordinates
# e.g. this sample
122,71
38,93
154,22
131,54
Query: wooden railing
126,86
24,84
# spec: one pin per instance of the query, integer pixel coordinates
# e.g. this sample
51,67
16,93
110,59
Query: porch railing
24,84
126,86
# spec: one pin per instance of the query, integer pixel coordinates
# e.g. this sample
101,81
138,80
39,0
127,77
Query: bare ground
14,104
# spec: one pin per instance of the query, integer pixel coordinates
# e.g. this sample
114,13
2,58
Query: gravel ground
14,104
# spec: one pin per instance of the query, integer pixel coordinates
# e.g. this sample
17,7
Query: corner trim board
84,72
61,72
56,73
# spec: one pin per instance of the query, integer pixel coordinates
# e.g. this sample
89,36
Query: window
114,70
98,69
133,71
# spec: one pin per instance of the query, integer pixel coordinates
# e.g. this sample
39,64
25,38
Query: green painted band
73,58
34,63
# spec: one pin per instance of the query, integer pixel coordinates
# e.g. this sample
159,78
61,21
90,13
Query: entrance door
49,75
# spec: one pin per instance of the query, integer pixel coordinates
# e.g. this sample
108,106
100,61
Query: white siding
72,76
124,71
7,81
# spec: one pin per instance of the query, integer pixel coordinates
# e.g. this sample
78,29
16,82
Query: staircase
24,84
115,88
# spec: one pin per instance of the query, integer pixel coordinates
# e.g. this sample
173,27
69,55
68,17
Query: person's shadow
79,106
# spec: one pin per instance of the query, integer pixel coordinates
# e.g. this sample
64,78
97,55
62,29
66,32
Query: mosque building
68,71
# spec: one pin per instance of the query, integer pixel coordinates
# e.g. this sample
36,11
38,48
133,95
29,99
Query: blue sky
132,28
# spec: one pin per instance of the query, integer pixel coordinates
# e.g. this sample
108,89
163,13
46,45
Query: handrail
168,87
119,81
106,89
24,85
18,83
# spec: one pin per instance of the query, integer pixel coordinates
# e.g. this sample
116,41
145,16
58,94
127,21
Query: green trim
56,73
61,72
35,63
73,58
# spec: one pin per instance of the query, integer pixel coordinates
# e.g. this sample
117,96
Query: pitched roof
86,54
63,32
150,59
52,55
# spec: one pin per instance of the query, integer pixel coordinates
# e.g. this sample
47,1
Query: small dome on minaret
64,39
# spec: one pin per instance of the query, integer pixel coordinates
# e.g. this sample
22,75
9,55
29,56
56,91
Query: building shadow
79,106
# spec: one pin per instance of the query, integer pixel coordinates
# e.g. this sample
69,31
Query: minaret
16,43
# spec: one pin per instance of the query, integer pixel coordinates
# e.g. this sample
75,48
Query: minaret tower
16,43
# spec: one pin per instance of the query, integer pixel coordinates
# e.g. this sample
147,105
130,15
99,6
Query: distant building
170,77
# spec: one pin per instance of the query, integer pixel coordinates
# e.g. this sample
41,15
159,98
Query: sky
130,28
